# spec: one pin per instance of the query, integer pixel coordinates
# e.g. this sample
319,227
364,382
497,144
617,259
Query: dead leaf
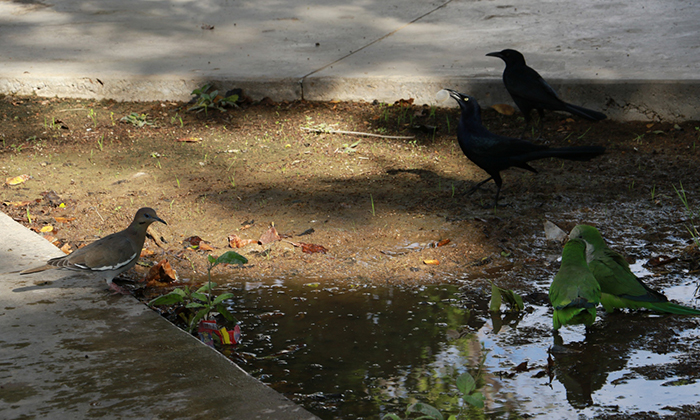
193,240
661,260
312,248
521,367
60,219
404,102
271,315
189,139
66,248
16,203
160,274
504,109
234,241
53,198
431,262
205,246
443,242
270,236
145,253
19,179
46,228
650,125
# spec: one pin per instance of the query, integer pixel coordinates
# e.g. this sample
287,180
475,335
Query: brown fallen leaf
661,260
19,179
160,274
145,253
205,246
66,248
443,242
270,236
234,241
521,367
308,248
271,315
504,109
193,240
431,262
60,219
189,139
53,198
312,248
16,203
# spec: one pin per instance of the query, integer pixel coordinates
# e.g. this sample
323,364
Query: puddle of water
356,352
362,352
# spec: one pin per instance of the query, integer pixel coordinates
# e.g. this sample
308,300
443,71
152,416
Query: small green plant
136,119
204,100
198,304
371,200
100,142
93,116
111,118
513,301
467,386
691,227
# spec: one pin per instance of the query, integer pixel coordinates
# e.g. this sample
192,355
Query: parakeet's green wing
574,292
620,288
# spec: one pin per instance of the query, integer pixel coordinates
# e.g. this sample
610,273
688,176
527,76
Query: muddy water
363,351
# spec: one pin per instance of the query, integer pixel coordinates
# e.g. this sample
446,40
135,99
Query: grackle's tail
586,113
579,153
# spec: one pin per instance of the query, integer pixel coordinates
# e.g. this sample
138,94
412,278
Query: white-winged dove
110,256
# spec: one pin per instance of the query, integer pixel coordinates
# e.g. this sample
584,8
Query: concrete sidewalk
632,60
70,350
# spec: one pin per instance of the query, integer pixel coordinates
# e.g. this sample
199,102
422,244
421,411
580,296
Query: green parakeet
574,292
620,287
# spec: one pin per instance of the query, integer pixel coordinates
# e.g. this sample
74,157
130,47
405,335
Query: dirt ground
379,206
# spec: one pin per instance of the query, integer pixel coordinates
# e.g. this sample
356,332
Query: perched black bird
494,153
530,91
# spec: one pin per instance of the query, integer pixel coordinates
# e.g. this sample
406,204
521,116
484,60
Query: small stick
355,133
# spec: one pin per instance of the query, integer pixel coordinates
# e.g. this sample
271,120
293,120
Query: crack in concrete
303,78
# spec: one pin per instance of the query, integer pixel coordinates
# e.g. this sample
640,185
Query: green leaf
206,287
222,297
466,383
199,296
176,296
514,301
231,257
225,313
198,317
495,304
391,416
211,259
193,305
476,399
426,409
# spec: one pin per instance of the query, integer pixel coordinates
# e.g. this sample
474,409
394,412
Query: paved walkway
71,350
633,60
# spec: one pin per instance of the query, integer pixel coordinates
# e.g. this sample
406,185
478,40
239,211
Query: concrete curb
71,350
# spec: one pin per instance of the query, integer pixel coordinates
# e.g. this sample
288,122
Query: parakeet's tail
611,302
573,316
